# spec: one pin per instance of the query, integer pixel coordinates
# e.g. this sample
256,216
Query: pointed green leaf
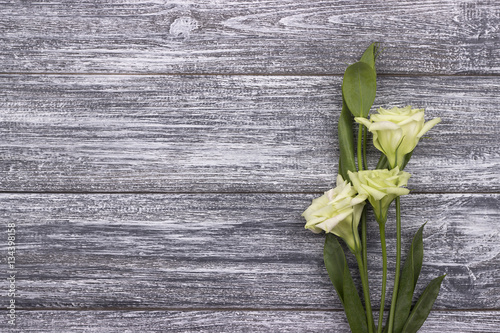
421,310
406,159
417,251
359,88
334,258
408,280
370,55
354,310
346,142
337,268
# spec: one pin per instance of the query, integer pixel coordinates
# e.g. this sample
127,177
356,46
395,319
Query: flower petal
427,126
363,121
384,126
331,223
398,191
372,192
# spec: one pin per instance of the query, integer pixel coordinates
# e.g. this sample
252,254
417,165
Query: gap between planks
252,74
220,192
126,309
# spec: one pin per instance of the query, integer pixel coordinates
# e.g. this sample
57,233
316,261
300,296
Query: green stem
398,265
365,138
363,216
362,147
384,276
364,241
366,292
359,152
362,257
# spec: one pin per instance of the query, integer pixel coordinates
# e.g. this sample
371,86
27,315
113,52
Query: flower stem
359,150
384,276
365,138
363,216
364,282
362,257
363,242
398,264
362,147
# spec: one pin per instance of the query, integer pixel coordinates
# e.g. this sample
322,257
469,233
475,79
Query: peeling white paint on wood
230,250
228,133
233,321
224,36
236,262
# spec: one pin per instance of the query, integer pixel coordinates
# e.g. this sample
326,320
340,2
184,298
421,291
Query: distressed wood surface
232,321
236,155
185,251
222,36
228,133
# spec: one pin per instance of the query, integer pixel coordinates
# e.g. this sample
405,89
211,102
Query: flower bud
338,211
381,187
397,131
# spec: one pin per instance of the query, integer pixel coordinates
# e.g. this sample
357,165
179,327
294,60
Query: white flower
338,211
397,131
381,187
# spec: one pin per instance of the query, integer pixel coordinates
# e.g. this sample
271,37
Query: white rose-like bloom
338,212
381,187
396,131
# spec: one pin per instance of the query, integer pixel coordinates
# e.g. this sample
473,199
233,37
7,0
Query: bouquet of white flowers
341,210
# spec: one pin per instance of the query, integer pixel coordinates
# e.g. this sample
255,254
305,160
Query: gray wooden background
156,156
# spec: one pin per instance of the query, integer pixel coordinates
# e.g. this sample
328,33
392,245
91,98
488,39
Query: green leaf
417,252
408,280
359,88
423,307
335,262
370,55
337,268
346,142
406,159
352,304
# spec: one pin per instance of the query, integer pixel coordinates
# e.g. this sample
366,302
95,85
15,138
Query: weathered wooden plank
243,36
227,133
232,321
242,251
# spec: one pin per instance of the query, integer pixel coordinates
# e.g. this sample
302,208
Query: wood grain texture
228,133
235,158
232,321
191,251
222,36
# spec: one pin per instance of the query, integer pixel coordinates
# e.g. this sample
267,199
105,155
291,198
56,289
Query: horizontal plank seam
229,309
253,74
212,193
